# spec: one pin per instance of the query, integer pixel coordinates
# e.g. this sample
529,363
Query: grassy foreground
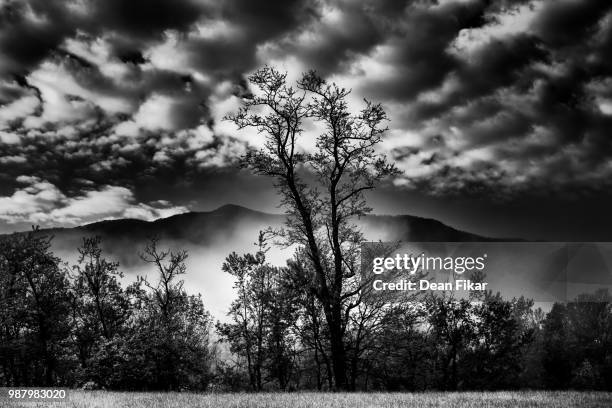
103,399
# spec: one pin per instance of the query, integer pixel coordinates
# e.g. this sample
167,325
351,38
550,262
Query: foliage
82,328
261,318
34,312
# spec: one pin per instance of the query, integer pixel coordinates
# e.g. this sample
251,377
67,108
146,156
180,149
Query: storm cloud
500,100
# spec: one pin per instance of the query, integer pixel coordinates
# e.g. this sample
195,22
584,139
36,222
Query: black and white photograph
305,203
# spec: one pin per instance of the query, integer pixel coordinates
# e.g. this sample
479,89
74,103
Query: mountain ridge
209,236
403,227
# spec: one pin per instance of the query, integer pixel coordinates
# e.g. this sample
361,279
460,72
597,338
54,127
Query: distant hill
210,236
233,223
201,227
191,227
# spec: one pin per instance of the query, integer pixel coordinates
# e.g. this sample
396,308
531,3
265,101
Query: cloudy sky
500,110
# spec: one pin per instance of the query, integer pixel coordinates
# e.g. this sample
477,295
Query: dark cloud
28,31
267,19
245,25
418,44
146,19
31,29
518,107
569,23
505,100
333,39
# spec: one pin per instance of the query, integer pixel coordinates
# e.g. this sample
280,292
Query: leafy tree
404,353
261,318
501,332
452,325
555,359
310,328
281,340
245,333
34,310
344,165
590,338
578,342
100,307
169,339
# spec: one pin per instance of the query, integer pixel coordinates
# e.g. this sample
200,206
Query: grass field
103,399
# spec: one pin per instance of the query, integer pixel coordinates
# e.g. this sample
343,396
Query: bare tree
344,166
169,265
98,279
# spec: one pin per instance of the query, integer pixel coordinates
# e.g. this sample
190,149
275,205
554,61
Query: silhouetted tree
170,335
344,164
34,310
502,329
311,327
577,343
100,307
261,318
84,329
404,355
452,325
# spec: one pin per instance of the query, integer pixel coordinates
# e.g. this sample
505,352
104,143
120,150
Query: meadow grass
519,399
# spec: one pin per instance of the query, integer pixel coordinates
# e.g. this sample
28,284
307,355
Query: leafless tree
322,191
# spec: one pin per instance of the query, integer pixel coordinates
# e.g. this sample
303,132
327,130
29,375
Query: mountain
204,227
234,226
201,227
210,236
191,227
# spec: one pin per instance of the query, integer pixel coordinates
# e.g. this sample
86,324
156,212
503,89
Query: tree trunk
338,353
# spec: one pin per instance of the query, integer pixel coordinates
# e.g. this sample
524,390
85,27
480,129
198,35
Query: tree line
79,326
280,340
